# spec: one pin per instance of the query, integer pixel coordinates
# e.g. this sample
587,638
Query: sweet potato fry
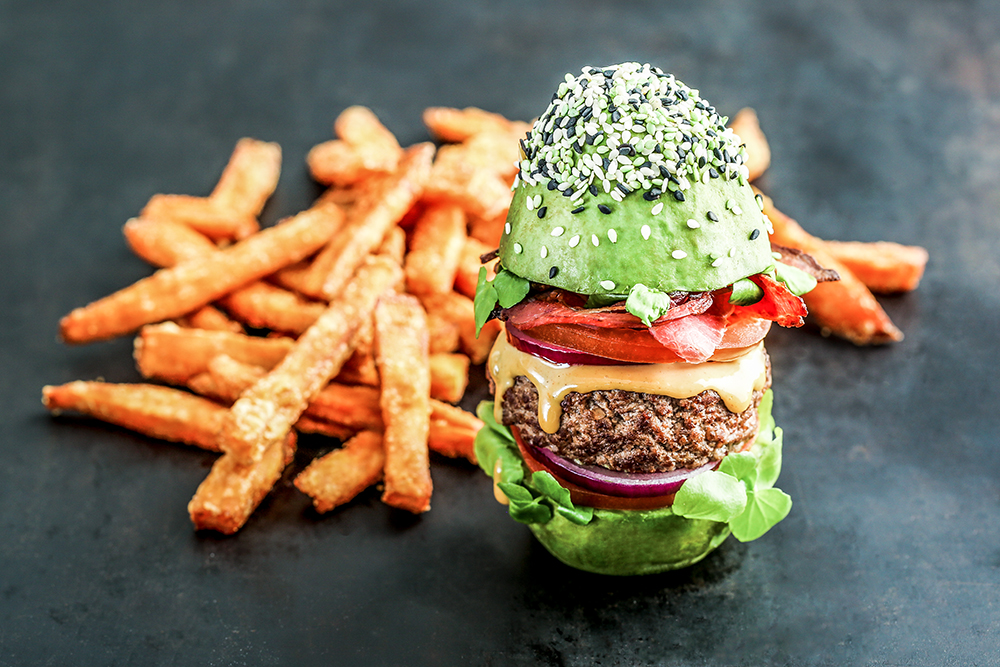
394,245
170,353
307,424
457,178
883,266
453,431
250,177
159,412
339,476
232,490
467,276
383,201
353,407
459,309
211,218
165,243
845,308
265,306
435,250
336,163
402,358
210,317
362,129
449,124
266,411
444,334
747,127
180,289
449,376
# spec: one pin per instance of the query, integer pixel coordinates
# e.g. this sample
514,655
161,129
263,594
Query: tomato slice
587,498
638,346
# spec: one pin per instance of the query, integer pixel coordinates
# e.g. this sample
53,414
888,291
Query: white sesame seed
530,203
574,241
657,208
558,231
518,249
717,263
693,224
538,200
506,228
645,231
545,252
613,236
678,254
737,210
607,284
732,252
593,239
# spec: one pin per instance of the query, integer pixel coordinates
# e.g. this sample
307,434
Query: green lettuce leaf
510,288
745,292
647,304
798,281
485,301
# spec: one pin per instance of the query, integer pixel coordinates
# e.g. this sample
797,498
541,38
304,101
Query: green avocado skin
646,542
622,254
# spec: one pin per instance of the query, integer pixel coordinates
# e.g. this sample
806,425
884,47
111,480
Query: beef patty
635,432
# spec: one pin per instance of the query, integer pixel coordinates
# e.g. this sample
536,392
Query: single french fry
336,163
469,263
747,127
307,424
336,478
159,412
457,178
170,353
394,245
453,431
435,250
293,277
459,309
250,177
383,201
351,406
266,411
883,266
210,317
377,146
180,289
444,334
265,306
233,490
449,376
204,384
845,308
165,243
449,124
211,218
402,358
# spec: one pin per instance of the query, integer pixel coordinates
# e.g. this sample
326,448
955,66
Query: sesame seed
713,217
596,241
506,228
760,201
754,234
732,252
678,195
645,231
545,252
604,208
693,224
518,249
557,231
608,285
678,254
553,271
542,210
717,263
613,236
656,209
530,203
578,209
574,241
737,210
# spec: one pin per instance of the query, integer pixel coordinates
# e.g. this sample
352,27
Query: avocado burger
631,425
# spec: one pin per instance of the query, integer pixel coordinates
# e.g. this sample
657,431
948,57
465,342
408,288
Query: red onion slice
614,483
557,354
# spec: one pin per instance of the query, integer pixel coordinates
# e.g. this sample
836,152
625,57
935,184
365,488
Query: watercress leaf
765,507
515,492
485,301
798,281
711,495
769,461
547,484
536,511
742,466
745,292
647,304
578,515
510,288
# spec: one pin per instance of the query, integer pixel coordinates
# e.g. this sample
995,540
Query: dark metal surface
884,123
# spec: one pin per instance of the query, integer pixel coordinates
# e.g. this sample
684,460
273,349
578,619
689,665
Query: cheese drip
735,380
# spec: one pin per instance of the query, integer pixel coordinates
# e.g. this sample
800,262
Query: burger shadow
549,582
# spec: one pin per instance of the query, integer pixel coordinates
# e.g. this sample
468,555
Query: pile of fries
361,310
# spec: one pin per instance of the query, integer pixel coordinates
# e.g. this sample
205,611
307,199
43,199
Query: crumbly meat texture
635,432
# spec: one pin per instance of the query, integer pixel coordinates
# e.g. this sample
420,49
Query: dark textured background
884,123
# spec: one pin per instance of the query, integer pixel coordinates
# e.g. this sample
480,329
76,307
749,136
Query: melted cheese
734,380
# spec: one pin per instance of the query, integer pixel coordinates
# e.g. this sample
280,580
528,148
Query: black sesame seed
678,195
664,172
604,208
652,195
713,173
626,149
571,132
542,210
682,94
552,185
713,217
616,116
578,209
702,161
754,234
624,190
553,271
605,163
717,153
568,192
590,140
593,189
710,133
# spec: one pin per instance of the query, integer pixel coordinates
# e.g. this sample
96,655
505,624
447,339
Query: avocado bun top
629,177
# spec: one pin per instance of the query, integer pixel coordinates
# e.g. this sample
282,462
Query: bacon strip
534,313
